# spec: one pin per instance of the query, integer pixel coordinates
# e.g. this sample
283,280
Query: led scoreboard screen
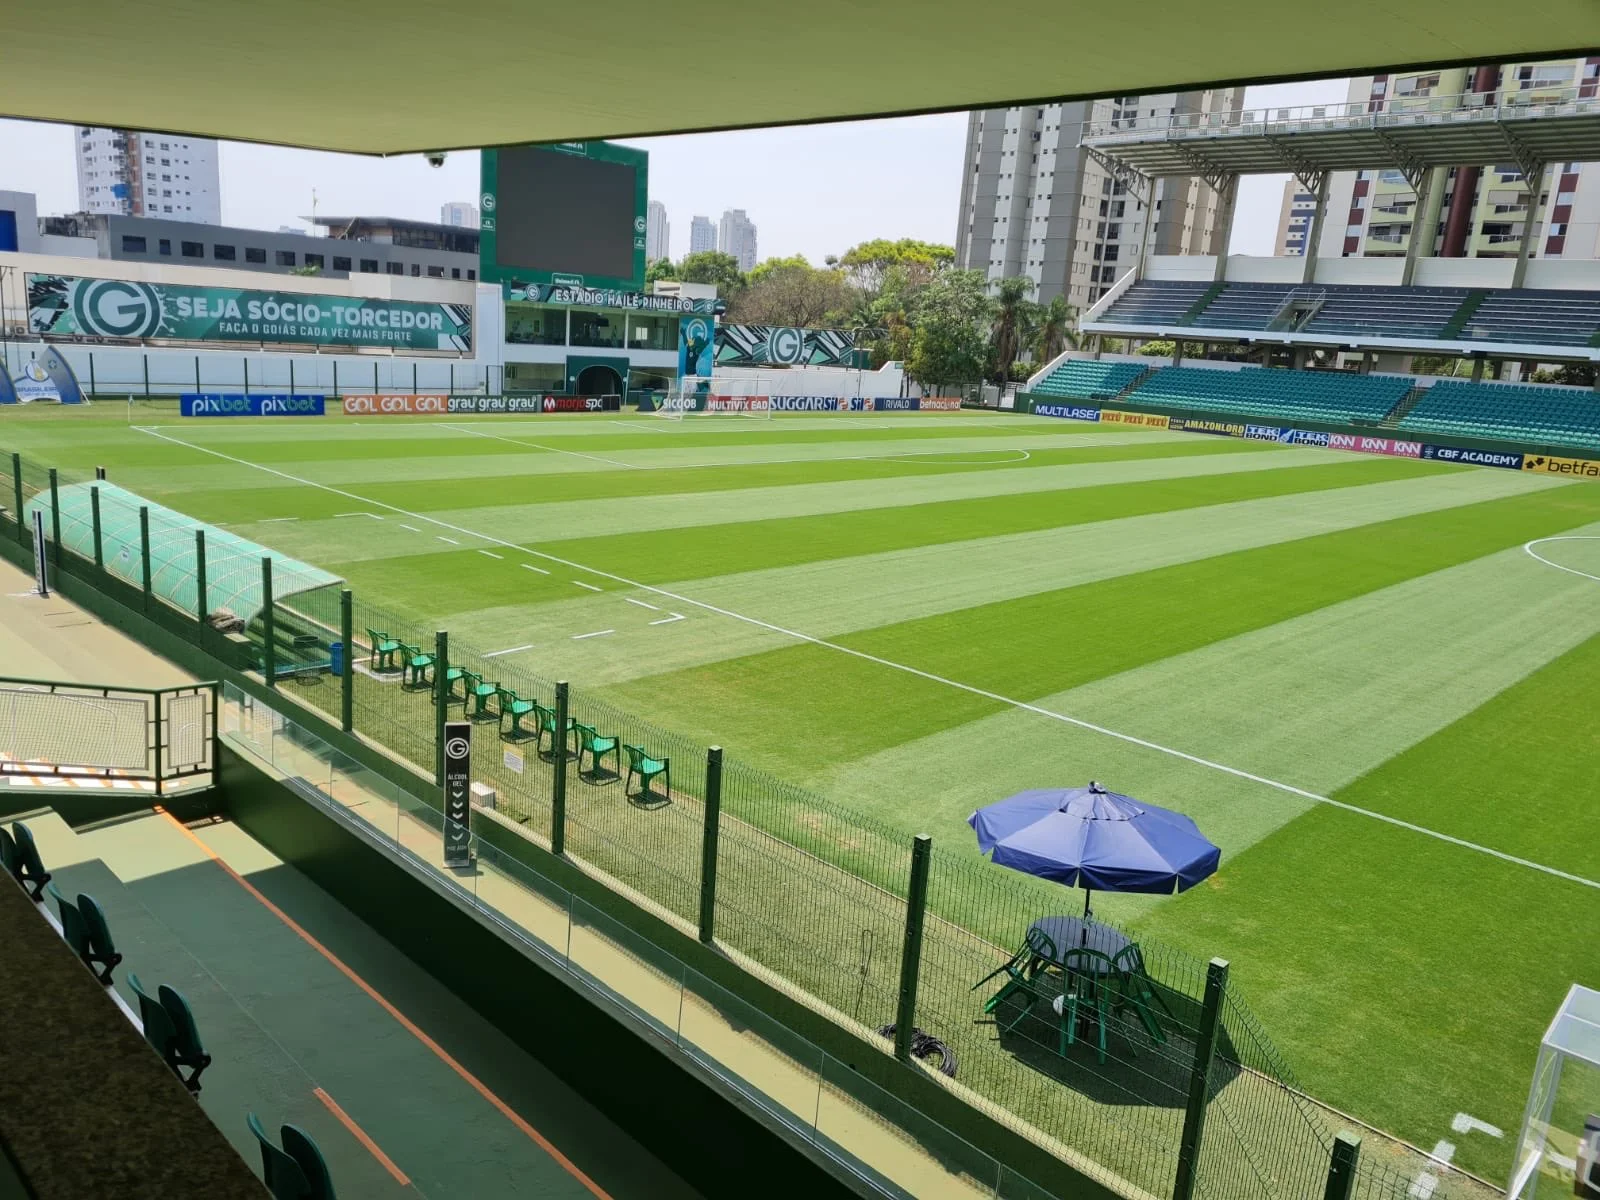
570,213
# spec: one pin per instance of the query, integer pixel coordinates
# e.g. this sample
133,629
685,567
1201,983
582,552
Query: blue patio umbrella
1095,839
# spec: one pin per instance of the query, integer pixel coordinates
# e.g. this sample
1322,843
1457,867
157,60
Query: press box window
255,254
285,258
225,253
132,245
314,260
369,266
193,249
340,263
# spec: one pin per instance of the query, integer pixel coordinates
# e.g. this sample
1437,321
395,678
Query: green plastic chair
546,717
285,1178
453,676
306,1154
514,706
158,1028
591,742
479,694
186,1048
382,650
646,768
102,950
1090,978
1020,970
1136,990
30,870
418,668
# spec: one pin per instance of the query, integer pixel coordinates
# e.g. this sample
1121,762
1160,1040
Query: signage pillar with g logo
458,794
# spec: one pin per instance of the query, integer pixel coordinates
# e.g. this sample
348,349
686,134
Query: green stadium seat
1525,413
305,1152
646,769
284,1176
10,859
73,931
514,706
186,1048
103,952
30,870
596,746
453,676
157,1022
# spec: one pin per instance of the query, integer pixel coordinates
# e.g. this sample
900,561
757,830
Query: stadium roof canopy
391,76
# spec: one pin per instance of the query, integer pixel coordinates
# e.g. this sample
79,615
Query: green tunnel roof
233,563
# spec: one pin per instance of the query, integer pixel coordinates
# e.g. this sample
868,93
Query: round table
1076,933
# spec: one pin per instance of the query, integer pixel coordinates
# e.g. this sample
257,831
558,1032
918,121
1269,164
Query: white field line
1064,718
538,446
1529,547
512,650
277,520
490,554
642,604
442,538
531,567
590,586
413,528
669,619
578,637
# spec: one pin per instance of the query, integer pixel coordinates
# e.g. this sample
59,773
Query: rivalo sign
70,306
223,404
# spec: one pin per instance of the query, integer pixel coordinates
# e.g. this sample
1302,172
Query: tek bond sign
225,404
70,306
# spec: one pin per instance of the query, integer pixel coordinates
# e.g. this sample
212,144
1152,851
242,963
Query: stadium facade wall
1542,273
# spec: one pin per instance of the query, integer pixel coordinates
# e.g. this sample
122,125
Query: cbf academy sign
70,306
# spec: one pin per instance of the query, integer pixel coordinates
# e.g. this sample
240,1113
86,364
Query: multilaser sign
71,306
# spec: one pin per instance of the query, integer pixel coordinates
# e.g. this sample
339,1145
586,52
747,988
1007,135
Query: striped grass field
1351,671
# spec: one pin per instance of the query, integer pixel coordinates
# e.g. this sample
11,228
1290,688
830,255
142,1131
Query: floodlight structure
1561,1127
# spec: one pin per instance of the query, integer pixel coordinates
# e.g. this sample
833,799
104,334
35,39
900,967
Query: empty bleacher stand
1541,318
1089,379
1162,302
1244,306
1554,416
1333,397
1369,312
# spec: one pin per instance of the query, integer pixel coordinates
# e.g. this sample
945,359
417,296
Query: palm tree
1005,337
1057,330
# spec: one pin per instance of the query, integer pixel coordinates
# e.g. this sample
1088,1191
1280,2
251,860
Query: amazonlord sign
70,306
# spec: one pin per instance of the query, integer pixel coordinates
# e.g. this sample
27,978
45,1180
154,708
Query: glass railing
884,1144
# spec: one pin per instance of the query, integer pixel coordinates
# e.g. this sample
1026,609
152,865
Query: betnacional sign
71,306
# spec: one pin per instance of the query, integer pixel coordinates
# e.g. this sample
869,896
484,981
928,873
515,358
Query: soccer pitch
1370,680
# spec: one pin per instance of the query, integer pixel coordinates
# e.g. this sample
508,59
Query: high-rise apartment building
702,235
737,236
126,173
459,213
1294,219
658,233
1033,203
1470,211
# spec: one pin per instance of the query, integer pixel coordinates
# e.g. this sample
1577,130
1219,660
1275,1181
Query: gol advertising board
1110,416
71,306
376,404
226,404
1477,458
1578,468
434,404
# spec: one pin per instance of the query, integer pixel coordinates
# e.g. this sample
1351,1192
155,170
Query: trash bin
336,659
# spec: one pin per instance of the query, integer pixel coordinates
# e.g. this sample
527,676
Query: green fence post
157,748
216,730
16,488
441,701
708,845
144,551
200,610
145,360
94,522
1194,1117
347,719
911,951
452,366
375,375
1342,1167
558,782
55,518
197,386
291,375
246,362
413,379
336,377
269,649
93,391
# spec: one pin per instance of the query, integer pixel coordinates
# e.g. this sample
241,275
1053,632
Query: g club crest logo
457,747
638,224
786,346
116,308
486,202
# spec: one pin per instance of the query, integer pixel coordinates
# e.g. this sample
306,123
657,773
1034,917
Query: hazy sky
812,190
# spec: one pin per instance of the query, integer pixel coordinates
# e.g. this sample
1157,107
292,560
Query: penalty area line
1064,718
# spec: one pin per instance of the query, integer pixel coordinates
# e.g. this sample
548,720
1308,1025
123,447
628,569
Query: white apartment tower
658,233
1294,219
169,176
1033,203
737,236
459,213
702,235
1469,211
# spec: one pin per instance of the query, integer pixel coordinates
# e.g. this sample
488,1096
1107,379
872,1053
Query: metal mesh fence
89,729
814,897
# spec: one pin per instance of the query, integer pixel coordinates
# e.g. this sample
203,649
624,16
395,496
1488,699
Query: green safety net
233,563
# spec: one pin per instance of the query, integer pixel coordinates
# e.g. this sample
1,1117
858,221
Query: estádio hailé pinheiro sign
69,305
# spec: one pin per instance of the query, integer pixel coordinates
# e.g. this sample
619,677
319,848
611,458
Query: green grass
1319,619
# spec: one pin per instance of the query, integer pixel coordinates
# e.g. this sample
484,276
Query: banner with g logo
117,308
